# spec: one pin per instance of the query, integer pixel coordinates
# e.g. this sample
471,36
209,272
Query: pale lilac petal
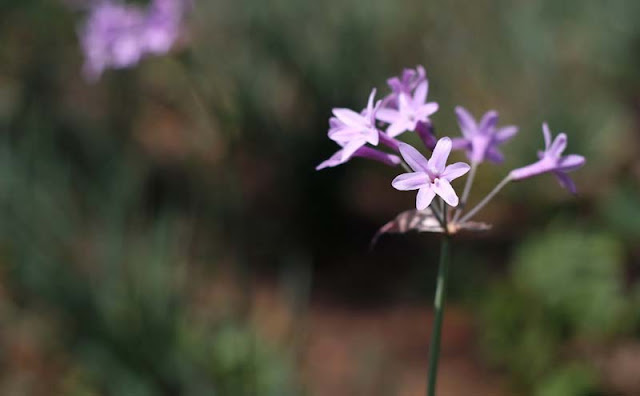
454,171
443,188
494,155
426,110
505,133
558,145
387,115
370,101
335,160
566,182
344,134
571,162
372,136
350,117
420,94
351,147
399,127
488,121
424,197
460,144
534,169
410,181
547,136
404,104
466,121
413,158
440,155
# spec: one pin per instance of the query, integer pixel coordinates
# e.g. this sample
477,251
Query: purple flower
364,152
117,35
408,81
430,177
551,160
412,109
352,130
481,140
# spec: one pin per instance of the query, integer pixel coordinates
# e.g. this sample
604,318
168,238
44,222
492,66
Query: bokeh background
163,231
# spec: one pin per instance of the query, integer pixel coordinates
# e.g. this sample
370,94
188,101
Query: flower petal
387,115
466,121
370,101
420,94
350,117
335,160
410,181
424,197
558,145
460,144
494,155
350,148
377,155
443,188
440,155
454,171
547,136
398,127
426,110
413,158
488,121
571,162
505,133
566,182
343,135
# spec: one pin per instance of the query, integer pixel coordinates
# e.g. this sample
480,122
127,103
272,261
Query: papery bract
481,140
551,160
430,177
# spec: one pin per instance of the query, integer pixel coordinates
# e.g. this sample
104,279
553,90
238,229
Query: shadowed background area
163,230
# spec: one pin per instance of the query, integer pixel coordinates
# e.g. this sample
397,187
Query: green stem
486,199
466,191
441,292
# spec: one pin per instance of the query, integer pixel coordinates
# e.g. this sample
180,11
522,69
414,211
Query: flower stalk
438,304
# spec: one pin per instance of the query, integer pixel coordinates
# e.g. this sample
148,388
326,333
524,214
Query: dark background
163,231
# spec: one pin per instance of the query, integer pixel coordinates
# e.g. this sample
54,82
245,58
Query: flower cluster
117,35
406,109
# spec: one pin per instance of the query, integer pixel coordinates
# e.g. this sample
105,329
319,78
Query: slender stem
441,292
486,199
466,191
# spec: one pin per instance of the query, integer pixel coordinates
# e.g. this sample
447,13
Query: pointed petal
547,136
571,162
558,145
398,127
505,133
566,182
350,148
454,171
488,121
443,188
424,197
413,158
370,101
410,181
335,160
466,121
440,155
387,115
494,155
404,104
350,117
460,144
420,94
344,134
426,110
372,136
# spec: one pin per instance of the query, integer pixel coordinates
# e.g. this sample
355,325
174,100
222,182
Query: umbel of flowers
374,132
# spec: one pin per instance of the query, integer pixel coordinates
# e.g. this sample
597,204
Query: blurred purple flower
481,140
117,35
551,160
364,152
430,177
352,130
426,134
412,109
408,81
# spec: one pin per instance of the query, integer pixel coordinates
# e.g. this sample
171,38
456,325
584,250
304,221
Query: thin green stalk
486,199
441,292
466,191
